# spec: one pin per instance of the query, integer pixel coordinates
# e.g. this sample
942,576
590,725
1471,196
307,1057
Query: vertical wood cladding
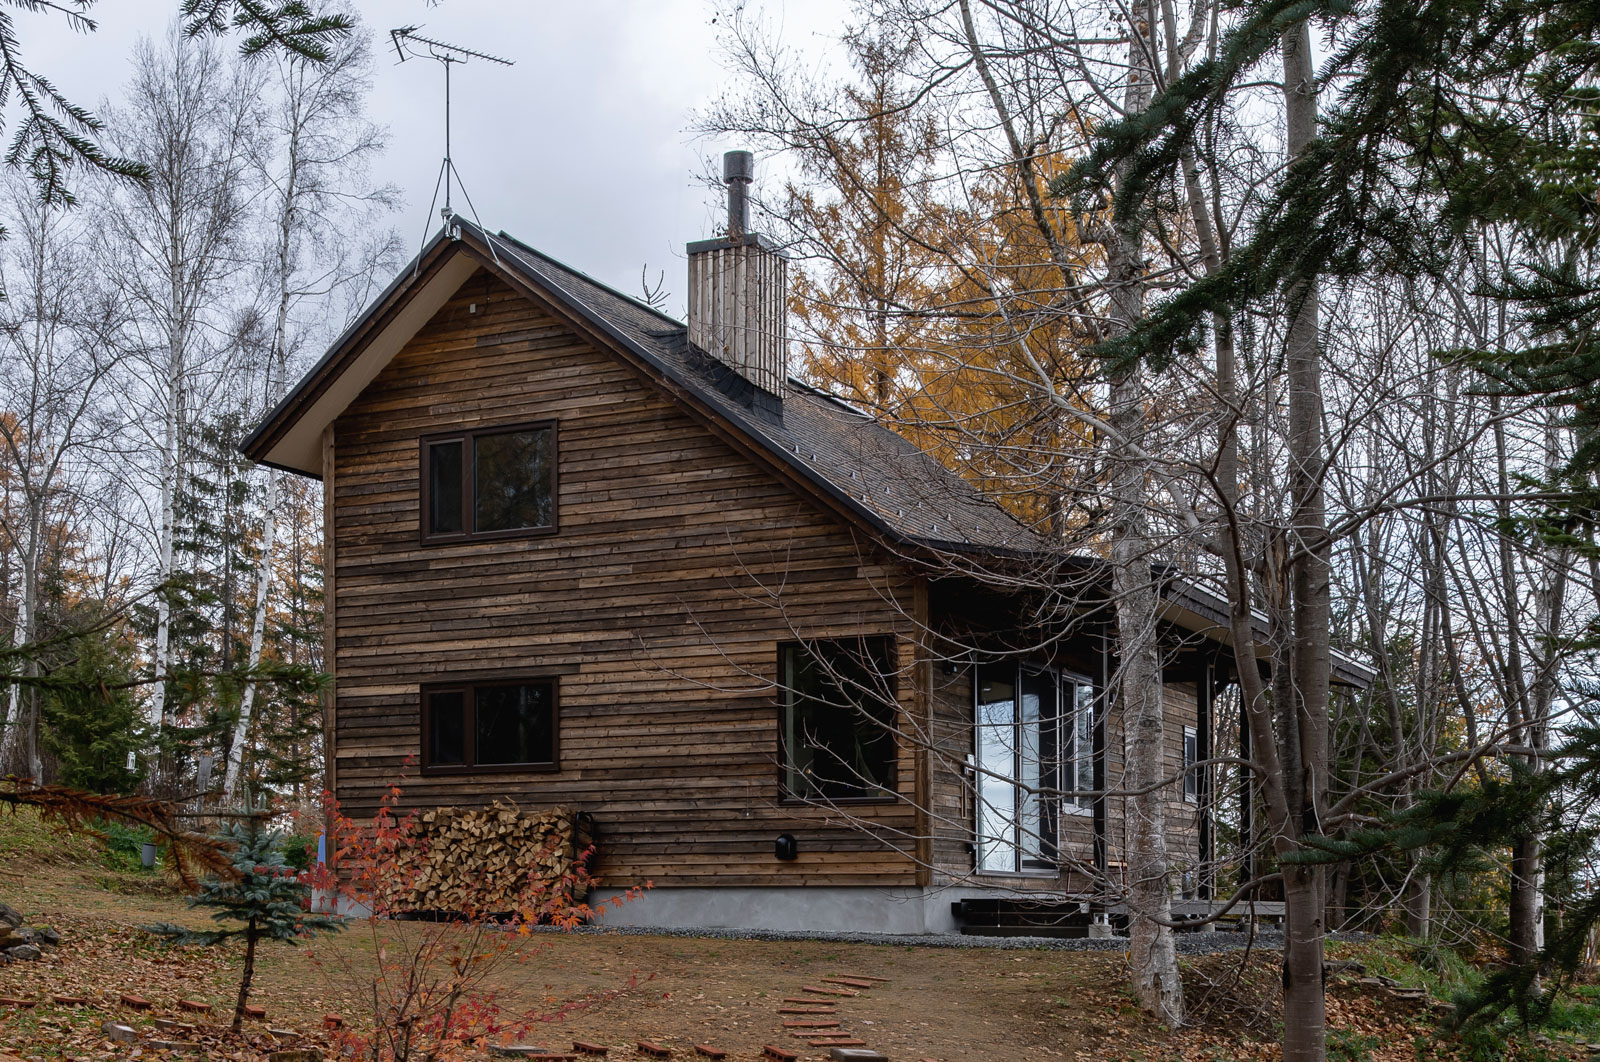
679,565
739,307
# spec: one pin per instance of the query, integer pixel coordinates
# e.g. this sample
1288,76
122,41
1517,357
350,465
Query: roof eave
259,443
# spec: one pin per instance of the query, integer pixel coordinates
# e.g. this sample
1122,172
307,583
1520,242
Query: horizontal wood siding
679,566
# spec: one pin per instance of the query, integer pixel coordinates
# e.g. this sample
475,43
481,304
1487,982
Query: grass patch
124,846
27,840
1413,964
1575,1017
1347,1045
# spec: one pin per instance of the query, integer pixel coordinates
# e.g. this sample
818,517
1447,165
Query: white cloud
581,149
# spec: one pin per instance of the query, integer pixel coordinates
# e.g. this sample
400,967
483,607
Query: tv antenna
409,44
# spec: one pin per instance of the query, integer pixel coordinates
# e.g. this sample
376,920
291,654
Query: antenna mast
408,44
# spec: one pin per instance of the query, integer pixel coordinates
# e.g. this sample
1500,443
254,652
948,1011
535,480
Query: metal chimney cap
738,166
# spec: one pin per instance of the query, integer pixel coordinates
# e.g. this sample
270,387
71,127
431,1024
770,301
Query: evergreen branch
80,812
292,27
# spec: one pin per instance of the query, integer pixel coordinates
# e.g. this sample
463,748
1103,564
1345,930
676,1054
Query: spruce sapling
265,895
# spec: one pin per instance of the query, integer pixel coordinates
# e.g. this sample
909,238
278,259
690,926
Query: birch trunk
258,630
21,749
161,652
275,372
1527,853
14,695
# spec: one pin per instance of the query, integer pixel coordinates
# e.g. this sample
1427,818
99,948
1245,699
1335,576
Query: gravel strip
1188,943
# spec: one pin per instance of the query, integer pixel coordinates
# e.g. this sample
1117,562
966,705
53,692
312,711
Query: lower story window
1191,773
1034,751
838,718
489,725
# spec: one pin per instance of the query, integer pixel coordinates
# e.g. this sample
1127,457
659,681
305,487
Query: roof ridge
559,264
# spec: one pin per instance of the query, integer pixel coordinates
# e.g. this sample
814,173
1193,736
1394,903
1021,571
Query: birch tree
176,241
314,166
55,368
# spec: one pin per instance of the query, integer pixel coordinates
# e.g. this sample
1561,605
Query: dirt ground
939,1004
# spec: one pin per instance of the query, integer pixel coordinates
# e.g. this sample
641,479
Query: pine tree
266,896
91,715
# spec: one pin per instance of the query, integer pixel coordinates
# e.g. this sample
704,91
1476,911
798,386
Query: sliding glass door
1033,747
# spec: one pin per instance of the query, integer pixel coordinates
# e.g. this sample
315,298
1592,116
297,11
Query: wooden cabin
581,554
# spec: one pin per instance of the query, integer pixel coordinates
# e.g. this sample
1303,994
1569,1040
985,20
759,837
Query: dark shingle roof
879,473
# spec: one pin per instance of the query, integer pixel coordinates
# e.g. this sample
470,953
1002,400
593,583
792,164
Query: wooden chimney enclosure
738,307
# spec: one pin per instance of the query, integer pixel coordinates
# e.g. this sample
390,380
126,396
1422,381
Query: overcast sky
582,149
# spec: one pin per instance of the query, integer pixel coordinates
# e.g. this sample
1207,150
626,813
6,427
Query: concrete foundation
801,909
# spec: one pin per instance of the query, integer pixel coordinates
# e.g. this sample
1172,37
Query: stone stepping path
828,1034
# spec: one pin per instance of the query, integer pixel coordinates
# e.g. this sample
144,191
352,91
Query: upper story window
489,483
838,719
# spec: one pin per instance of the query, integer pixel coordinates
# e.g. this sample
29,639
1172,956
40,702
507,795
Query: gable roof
842,457
872,474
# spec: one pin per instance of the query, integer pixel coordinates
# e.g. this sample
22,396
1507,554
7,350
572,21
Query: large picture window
1034,749
503,725
490,483
838,719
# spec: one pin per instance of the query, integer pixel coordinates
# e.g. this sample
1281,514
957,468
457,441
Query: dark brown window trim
788,799
469,483
468,686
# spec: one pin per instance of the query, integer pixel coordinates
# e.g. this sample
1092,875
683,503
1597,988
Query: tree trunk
161,655
1418,902
251,935
258,631
1153,953
1304,1004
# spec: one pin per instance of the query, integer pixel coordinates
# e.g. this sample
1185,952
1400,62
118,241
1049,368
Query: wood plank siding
679,566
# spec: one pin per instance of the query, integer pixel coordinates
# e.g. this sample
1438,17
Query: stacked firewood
496,859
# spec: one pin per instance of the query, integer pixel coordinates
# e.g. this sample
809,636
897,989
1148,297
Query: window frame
1070,756
1191,772
891,786
1081,757
469,707
467,437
